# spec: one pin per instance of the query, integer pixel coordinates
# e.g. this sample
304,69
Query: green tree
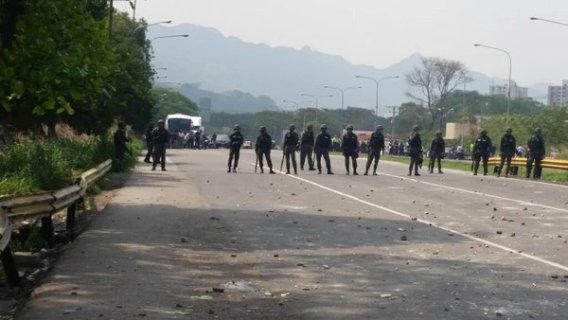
169,101
60,58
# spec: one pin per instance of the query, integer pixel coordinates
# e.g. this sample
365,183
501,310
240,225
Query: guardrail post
10,269
47,231
70,222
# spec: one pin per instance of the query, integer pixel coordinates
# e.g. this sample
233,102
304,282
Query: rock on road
196,242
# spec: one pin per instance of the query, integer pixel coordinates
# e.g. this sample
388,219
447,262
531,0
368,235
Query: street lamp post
149,25
172,36
296,105
292,102
342,91
377,82
550,21
510,67
463,114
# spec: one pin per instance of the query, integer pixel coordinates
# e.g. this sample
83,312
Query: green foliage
28,239
49,165
63,67
60,57
132,98
169,102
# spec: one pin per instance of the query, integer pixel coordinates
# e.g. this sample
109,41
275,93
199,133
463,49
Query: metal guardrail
550,163
43,206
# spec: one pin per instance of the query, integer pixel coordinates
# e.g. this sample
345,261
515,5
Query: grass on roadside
551,175
31,167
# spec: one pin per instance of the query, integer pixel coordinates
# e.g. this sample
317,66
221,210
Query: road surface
196,242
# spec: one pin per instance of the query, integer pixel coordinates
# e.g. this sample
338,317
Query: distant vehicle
177,123
247,144
197,124
222,141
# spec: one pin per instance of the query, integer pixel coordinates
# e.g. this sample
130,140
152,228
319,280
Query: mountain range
209,64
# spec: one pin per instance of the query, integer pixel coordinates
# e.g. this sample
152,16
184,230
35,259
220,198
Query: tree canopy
62,67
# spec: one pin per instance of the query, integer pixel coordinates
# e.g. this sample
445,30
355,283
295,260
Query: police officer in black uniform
160,136
322,147
481,151
120,139
350,149
236,140
307,148
291,140
414,150
537,151
507,148
437,149
262,147
149,142
376,145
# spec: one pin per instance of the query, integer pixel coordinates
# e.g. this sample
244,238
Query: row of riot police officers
315,147
312,149
535,146
482,149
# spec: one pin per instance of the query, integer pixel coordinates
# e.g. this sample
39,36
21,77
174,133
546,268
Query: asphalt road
196,242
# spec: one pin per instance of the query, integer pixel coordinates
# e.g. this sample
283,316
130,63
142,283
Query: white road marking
433,224
527,203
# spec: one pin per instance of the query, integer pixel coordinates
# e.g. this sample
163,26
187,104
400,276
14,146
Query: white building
558,94
516,91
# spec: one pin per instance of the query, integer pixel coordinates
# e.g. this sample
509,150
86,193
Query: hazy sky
382,32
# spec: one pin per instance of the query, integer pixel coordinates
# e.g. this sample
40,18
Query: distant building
558,94
205,108
516,91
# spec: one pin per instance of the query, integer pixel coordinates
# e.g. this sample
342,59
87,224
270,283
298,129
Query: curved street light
149,25
172,36
377,82
510,67
550,21
292,102
342,91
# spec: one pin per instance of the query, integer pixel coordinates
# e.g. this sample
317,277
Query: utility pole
392,121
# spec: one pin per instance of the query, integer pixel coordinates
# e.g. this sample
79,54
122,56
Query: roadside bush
47,165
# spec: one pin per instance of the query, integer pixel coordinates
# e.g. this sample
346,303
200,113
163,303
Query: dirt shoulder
39,264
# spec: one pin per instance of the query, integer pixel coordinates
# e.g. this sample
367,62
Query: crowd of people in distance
191,139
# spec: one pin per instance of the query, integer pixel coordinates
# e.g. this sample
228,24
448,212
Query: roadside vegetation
34,166
551,175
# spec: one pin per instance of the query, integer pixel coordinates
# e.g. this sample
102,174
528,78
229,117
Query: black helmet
262,128
323,127
236,127
349,127
292,126
537,131
379,127
415,127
